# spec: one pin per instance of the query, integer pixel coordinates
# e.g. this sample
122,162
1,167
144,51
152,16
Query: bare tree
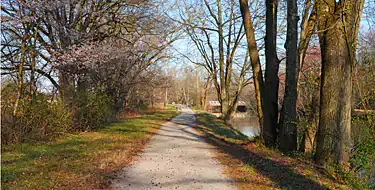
218,40
307,30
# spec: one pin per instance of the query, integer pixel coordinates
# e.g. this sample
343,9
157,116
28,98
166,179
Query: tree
60,25
217,34
288,118
308,99
266,90
101,56
270,102
254,60
307,30
338,26
308,25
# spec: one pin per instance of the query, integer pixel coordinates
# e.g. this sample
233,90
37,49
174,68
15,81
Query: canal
248,125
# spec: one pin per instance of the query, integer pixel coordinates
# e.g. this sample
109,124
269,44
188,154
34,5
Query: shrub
363,155
91,110
37,117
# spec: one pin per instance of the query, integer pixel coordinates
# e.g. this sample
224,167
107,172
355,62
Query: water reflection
249,125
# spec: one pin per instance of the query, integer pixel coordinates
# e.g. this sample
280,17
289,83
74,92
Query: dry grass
83,160
255,167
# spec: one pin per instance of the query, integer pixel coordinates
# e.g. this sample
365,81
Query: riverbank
82,160
254,166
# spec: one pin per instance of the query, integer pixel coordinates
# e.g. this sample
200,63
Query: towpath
176,158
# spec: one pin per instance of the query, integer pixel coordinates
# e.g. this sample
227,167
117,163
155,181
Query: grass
254,166
84,160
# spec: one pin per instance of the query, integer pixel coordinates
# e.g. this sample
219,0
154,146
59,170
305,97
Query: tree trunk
254,59
20,73
308,141
166,97
339,24
184,94
127,98
66,87
270,99
288,118
225,109
204,93
223,88
32,74
33,67
198,90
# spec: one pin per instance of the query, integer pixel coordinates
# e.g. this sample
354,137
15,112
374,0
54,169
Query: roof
217,103
241,103
214,103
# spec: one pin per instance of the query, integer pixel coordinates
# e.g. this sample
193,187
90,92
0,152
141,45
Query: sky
185,46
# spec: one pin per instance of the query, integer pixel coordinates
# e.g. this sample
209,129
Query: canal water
248,125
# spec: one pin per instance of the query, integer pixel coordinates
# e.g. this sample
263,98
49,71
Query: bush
91,110
363,155
37,117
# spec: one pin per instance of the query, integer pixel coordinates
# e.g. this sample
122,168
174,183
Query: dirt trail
176,158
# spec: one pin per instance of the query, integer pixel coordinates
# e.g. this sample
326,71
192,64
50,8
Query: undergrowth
79,160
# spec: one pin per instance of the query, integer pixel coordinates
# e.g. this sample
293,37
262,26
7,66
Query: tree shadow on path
282,174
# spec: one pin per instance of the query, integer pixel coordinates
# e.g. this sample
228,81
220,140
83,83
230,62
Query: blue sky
185,46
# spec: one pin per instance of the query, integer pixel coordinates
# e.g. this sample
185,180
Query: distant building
215,106
241,106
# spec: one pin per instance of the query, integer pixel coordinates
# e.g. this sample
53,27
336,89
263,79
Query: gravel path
176,158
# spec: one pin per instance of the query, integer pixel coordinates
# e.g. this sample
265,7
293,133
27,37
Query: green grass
217,127
82,160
